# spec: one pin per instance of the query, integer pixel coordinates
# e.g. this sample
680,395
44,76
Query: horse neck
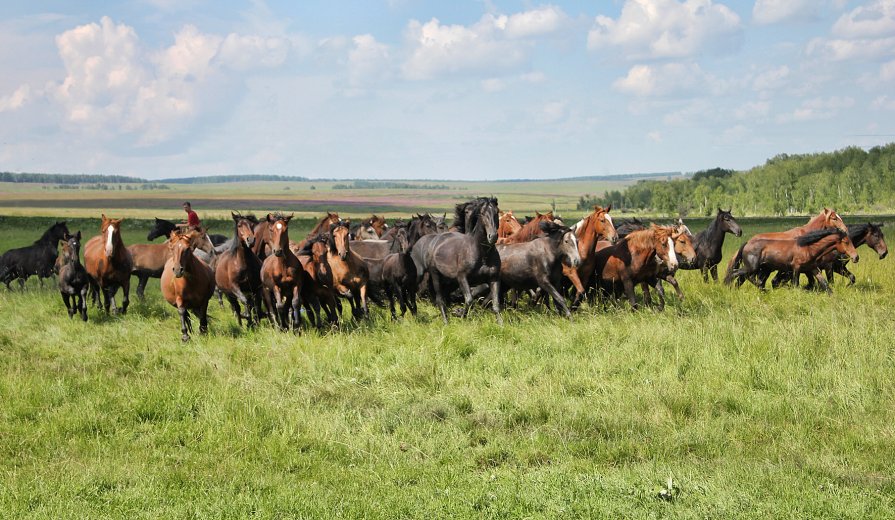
861,240
822,246
818,222
478,234
714,234
587,235
47,237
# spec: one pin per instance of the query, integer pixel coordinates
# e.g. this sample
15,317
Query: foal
349,271
238,272
74,282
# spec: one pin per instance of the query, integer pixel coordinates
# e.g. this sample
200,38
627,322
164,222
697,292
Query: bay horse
760,257
685,252
323,225
709,242
164,228
187,283
507,224
399,273
149,260
238,272
281,276
859,234
349,271
317,292
528,231
589,231
826,219
538,263
467,256
633,260
109,264
37,259
74,282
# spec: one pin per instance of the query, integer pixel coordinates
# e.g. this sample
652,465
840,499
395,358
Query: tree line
65,178
850,180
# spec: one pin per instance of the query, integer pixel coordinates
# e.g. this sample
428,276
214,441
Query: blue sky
479,89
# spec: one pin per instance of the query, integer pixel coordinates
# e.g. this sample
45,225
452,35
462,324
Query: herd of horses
485,255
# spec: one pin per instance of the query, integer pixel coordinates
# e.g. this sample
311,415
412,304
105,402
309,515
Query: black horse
163,228
467,256
708,244
74,282
37,259
399,273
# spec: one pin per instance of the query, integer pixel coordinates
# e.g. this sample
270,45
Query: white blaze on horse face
609,218
109,246
574,257
279,225
672,256
577,225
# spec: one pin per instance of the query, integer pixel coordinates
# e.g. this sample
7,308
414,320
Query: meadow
730,404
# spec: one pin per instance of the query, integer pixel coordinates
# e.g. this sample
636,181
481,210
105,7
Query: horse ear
235,216
720,210
104,217
269,218
65,236
609,207
290,217
78,235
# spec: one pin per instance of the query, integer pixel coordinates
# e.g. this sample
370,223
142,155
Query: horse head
603,224
71,247
728,223
279,233
832,219
565,240
683,244
180,245
338,242
664,245
245,231
111,232
876,240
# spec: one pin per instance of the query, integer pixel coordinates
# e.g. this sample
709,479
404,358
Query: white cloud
664,80
554,112
654,136
753,110
368,61
874,20
887,71
542,21
775,11
818,108
245,52
494,85
15,100
884,102
843,50
667,29
771,79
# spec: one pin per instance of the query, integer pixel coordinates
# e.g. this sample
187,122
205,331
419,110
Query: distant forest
213,179
65,178
388,185
850,180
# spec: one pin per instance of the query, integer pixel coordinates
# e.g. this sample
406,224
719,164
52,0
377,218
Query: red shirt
192,219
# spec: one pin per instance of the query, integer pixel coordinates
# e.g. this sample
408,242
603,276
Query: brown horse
591,229
529,231
369,229
760,257
870,234
685,252
238,272
826,219
507,224
187,283
149,259
324,224
349,271
109,264
633,260
281,276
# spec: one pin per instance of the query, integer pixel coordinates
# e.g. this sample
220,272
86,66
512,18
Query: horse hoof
185,338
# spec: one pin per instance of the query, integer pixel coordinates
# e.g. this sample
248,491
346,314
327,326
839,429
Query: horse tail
733,265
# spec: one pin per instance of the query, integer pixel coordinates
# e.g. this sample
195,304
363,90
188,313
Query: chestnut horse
760,257
149,259
529,231
589,231
238,272
685,252
109,264
187,283
633,260
349,271
507,224
74,282
281,276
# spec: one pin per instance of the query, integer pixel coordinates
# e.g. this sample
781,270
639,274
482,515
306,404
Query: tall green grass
777,404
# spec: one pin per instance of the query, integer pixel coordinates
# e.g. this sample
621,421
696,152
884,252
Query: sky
420,89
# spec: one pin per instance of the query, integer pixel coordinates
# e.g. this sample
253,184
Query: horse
760,257
317,292
149,259
529,231
281,276
468,255
369,229
419,226
834,262
709,242
349,271
163,228
633,260
683,249
507,224
74,282
399,274
827,218
323,225
440,222
187,283
538,263
109,264
37,259
589,231
238,272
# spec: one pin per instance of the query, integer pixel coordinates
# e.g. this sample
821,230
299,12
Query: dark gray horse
74,282
37,259
399,273
467,256
709,242
537,264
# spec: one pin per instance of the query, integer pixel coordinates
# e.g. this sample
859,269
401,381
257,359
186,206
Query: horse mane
45,238
628,226
857,231
460,213
813,236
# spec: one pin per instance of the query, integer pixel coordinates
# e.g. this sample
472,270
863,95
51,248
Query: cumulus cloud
667,29
369,61
818,108
15,100
775,11
665,80
771,79
866,32
494,43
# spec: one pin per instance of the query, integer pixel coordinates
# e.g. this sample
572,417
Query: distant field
304,198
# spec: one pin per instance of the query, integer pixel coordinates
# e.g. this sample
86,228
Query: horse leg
363,300
280,311
410,298
106,299
439,298
220,297
579,288
559,301
821,281
142,280
390,294
677,287
82,303
660,291
203,319
125,295
234,304
268,303
185,325
65,298
705,273
296,309
467,294
628,285
495,301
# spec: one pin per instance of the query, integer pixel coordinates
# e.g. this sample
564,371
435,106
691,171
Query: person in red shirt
192,219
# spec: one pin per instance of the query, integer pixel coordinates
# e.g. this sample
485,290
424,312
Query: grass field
775,405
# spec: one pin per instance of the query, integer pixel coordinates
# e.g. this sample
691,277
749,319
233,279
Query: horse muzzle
613,239
739,233
250,241
492,238
344,256
884,254
278,252
574,262
178,272
856,258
